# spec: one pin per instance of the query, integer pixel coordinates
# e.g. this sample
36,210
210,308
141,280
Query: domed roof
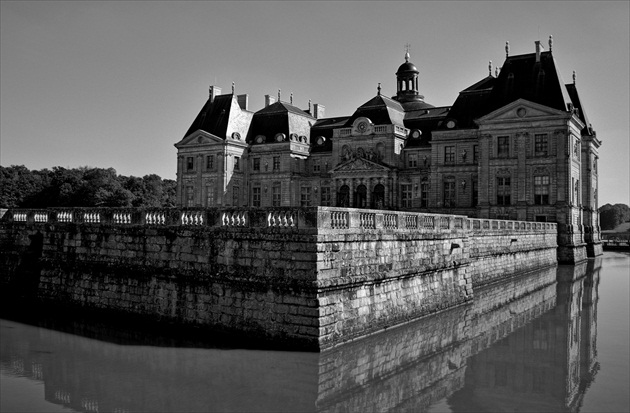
407,67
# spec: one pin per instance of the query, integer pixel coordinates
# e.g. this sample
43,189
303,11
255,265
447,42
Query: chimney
243,101
318,111
269,100
539,50
214,92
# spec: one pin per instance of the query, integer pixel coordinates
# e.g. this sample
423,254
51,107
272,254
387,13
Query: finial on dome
550,42
490,68
278,95
233,87
507,49
574,77
378,89
407,56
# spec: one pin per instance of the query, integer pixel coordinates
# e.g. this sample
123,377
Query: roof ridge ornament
574,76
233,87
550,43
507,49
490,68
278,95
291,98
378,89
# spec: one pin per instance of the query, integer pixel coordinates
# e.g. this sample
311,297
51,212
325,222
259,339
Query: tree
81,187
610,216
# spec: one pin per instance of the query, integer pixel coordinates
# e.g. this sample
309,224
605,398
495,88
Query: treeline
81,187
610,216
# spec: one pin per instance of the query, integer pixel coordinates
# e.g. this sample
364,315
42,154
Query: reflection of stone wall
495,340
91,375
545,363
410,365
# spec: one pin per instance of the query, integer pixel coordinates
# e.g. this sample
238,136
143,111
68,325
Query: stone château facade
515,145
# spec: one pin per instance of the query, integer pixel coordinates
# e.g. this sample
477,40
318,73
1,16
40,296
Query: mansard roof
521,77
577,103
325,127
215,116
381,110
280,117
425,120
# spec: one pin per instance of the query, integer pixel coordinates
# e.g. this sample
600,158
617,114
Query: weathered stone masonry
314,277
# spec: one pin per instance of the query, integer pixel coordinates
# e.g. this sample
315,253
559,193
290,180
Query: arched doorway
343,197
360,200
378,197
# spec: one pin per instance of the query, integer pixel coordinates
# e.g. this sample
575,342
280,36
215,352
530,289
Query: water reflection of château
529,342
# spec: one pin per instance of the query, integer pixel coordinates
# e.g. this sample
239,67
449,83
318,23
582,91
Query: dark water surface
529,344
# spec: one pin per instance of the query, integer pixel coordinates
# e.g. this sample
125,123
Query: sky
116,84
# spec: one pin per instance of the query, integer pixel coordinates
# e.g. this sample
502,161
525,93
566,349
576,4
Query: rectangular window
541,144
209,162
503,146
449,193
190,163
316,165
475,153
449,154
541,190
405,195
209,195
237,163
412,160
276,163
256,196
503,190
326,198
190,196
276,194
256,164
424,194
235,195
305,196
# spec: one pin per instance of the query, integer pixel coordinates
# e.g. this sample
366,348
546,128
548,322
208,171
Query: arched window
378,197
360,199
343,197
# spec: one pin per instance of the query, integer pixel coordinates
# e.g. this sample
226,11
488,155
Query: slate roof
577,103
381,110
521,77
279,117
426,120
324,127
214,116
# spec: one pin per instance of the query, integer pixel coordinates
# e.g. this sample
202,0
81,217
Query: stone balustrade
340,219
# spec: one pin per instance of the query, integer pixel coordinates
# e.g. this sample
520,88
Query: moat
559,347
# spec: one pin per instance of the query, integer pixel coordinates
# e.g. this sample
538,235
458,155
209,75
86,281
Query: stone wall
311,277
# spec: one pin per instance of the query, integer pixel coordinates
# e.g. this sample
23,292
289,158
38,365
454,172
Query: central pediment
360,165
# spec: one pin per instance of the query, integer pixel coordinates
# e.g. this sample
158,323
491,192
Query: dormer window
237,163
